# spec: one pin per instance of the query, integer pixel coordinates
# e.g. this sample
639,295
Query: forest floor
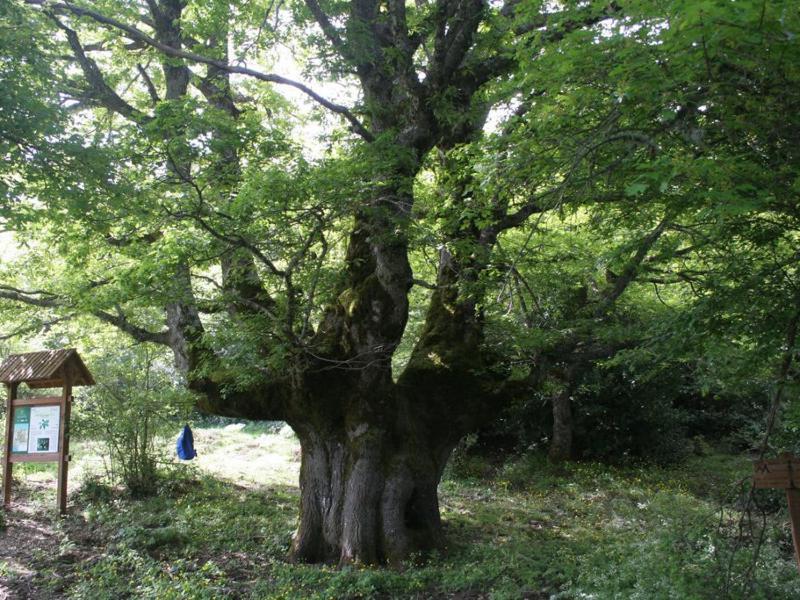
221,525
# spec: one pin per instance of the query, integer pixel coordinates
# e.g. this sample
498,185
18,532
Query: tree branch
44,299
629,272
567,26
37,326
100,90
456,24
328,28
121,322
32,298
151,88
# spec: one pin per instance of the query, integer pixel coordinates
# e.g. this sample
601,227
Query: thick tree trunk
373,450
370,465
367,496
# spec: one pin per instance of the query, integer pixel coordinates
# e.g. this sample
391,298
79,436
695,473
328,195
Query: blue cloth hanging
185,445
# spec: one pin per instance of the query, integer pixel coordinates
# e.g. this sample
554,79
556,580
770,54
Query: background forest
521,277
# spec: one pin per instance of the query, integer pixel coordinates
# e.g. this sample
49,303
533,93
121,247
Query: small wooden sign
783,473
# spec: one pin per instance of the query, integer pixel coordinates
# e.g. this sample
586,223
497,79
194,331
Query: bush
468,461
619,416
95,490
137,400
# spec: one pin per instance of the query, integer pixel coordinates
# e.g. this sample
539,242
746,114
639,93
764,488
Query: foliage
657,113
653,122
28,107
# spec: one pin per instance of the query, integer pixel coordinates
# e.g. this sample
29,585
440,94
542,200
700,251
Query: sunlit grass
246,458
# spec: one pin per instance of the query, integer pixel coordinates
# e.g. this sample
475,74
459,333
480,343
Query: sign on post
783,473
36,429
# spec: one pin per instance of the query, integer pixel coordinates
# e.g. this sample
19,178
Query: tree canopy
387,222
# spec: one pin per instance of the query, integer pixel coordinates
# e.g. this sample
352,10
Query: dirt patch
36,540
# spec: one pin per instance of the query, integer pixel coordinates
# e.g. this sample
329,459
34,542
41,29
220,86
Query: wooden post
63,443
12,395
793,497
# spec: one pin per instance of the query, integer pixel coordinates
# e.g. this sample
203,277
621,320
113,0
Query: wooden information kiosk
37,428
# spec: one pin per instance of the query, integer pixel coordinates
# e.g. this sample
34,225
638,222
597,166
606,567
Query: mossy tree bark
374,449
368,494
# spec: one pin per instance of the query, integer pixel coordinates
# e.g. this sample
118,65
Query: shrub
467,461
96,490
618,418
619,415
138,399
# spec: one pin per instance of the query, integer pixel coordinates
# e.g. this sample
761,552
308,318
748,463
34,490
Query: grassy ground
221,526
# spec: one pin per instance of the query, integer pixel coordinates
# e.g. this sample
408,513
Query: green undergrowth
530,530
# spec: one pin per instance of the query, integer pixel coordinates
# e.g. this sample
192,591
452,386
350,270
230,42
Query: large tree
283,287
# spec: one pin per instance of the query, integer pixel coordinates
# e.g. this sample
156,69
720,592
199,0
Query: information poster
22,426
44,429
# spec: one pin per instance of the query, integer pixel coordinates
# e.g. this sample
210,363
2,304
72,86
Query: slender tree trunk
561,442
